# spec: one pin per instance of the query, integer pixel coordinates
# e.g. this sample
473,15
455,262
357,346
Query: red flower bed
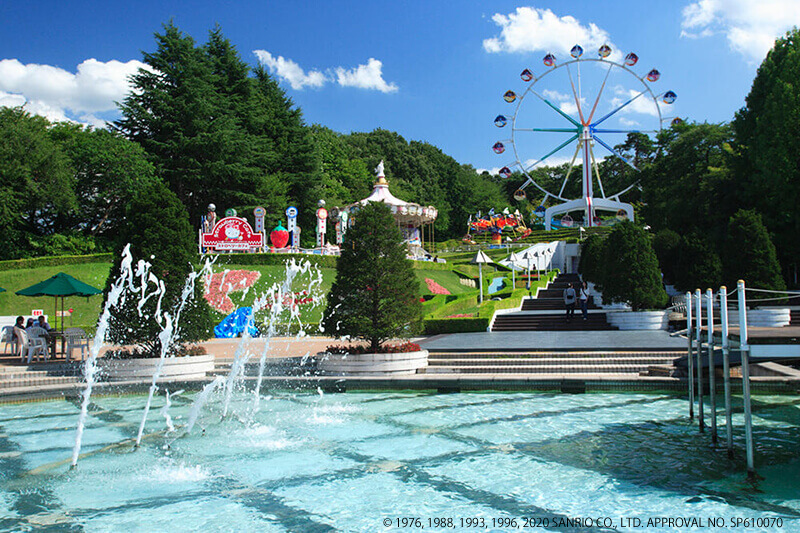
462,315
434,287
221,284
341,349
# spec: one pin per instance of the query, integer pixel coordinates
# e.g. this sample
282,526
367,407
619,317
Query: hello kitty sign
232,233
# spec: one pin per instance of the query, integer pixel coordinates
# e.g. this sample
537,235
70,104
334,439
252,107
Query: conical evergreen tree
750,254
375,296
631,273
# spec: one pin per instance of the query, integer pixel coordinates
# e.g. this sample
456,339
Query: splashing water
200,401
115,297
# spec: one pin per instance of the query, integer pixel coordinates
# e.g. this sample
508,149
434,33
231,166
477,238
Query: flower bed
434,287
221,284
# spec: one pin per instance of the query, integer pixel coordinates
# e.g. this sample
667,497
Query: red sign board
232,233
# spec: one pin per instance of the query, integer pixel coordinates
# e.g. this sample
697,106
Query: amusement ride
623,102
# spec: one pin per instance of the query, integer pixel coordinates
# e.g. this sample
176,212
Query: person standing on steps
569,301
583,296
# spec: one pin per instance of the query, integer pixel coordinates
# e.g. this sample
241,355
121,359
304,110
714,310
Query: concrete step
35,381
666,355
538,369
550,361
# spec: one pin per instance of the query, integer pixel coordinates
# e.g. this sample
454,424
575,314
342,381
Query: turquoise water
496,285
349,462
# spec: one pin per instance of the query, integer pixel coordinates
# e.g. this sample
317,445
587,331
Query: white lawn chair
76,339
9,339
33,346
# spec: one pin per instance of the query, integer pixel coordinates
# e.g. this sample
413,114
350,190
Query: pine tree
375,296
158,231
765,132
631,273
698,264
750,254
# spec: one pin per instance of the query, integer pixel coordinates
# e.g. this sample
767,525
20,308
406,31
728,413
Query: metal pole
690,353
745,349
699,336
712,378
726,368
513,274
480,280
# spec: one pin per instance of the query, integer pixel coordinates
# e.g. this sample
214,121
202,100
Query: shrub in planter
631,273
375,296
592,259
750,254
158,230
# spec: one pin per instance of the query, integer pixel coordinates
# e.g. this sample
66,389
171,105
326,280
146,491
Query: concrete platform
555,341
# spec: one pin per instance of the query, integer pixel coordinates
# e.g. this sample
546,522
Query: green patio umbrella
2,289
61,285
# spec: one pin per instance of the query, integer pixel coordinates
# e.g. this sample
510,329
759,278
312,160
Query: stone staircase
40,375
546,312
616,363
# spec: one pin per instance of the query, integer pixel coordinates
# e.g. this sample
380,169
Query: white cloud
540,30
628,122
61,95
642,105
290,71
750,27
369,76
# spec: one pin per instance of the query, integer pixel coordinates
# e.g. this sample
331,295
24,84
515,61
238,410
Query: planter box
372,364
771,317
190,367
638,320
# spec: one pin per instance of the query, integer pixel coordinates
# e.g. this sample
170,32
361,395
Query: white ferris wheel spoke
575,93
596,171
556,130
571,166
599,94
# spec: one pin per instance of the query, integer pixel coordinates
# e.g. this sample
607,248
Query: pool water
349,462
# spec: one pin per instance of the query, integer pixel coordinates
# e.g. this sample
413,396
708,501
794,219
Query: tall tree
766,135
630,268
36,182
375,296
750,254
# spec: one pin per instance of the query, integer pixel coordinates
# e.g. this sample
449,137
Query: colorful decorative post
258,217
291,226
322,215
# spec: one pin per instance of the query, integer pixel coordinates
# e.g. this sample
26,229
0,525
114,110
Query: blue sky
433,71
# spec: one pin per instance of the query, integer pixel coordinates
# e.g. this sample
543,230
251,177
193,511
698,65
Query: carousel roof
404,212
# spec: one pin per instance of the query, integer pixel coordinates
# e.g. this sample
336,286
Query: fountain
280,459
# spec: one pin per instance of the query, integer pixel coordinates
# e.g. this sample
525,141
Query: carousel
413,220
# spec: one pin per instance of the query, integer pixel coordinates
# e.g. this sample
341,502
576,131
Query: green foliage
698,264
159,232
666,244
36,182
108,169
592,265
766,136
37,262
376,295
690,187
750,254
631,269
214,133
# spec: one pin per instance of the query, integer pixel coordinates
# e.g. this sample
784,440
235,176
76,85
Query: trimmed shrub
750,254
631,273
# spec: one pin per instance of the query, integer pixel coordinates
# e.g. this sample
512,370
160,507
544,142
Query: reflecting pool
364,461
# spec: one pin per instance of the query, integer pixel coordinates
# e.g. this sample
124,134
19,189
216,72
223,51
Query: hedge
323,261
436,326
56,260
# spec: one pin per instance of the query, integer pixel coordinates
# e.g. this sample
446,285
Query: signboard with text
232,233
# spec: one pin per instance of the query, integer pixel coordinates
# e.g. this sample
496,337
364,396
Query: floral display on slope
221,284
462,315
435,288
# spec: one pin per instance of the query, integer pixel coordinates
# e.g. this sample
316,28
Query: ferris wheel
606,101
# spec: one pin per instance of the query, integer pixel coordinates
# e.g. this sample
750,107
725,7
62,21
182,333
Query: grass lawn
447,279
85,310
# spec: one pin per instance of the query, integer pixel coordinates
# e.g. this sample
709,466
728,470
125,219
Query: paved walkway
555,341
